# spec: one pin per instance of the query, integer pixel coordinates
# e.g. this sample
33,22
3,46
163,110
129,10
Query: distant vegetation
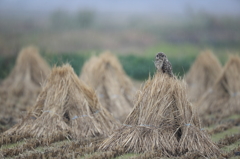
136,66
72,37
89,30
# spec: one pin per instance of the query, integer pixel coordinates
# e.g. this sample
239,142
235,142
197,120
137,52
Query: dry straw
202,75
224,96
115,90
66,105
21,88
163,121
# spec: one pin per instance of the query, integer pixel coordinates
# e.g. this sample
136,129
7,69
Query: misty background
136,28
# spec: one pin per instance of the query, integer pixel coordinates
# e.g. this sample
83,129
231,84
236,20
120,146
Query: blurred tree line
195,32
200,28
61,19
137,67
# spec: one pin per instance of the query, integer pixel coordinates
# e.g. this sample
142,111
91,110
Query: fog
170,7
124,26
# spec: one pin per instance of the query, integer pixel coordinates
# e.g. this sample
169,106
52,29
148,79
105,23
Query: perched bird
162,64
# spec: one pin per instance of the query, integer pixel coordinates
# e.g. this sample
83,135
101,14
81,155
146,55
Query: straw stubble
202,75
114,89
66,106
20,89
163,120
224,95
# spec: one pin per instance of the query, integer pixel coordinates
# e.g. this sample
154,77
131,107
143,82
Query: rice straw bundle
162,120
224,95
202,75
21,88
115,90
66,105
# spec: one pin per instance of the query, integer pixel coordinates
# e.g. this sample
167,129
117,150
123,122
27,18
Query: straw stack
66,105
202,75
115,90
162,121
224,95
21,88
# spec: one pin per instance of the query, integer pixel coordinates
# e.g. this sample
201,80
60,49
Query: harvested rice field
102,113
226,134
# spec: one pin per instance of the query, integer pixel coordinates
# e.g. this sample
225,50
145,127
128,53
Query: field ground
226,133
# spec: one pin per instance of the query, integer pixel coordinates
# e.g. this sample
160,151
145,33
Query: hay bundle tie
114,96
75,117
235,94
47,111
127,125
210,90
97,111
142,125
101,96
147,125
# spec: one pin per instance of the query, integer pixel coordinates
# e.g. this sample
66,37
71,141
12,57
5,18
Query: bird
162,64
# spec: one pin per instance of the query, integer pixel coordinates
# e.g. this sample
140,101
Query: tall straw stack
115,90
21,88
202,75
224,96
66,105
162,121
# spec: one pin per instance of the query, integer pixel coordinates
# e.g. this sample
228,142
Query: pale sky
219,7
